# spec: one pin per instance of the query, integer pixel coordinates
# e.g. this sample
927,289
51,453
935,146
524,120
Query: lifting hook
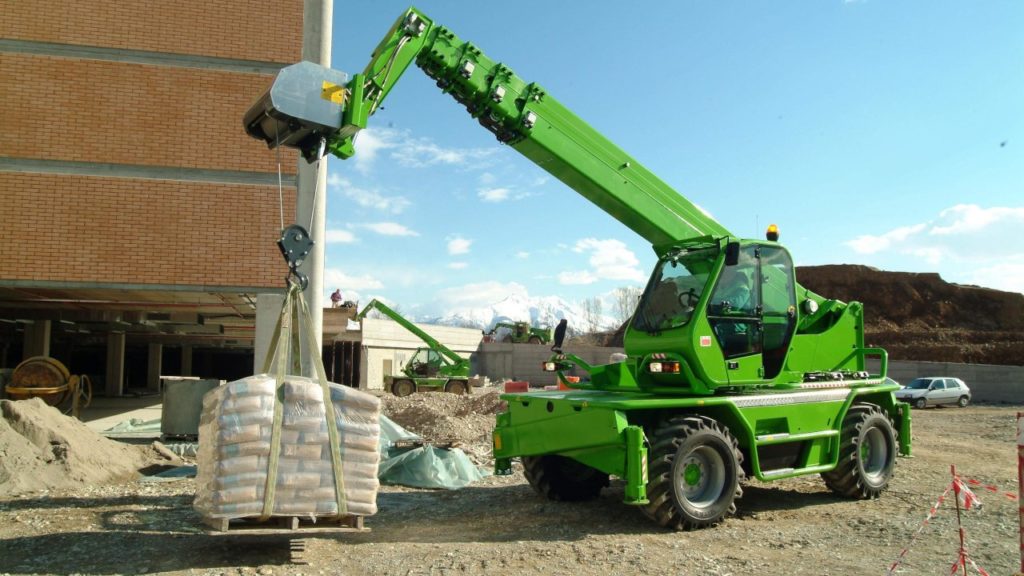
295,245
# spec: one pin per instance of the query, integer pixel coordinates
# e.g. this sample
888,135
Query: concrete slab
104,413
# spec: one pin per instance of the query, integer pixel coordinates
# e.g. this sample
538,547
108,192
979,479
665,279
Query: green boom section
524,116
430,341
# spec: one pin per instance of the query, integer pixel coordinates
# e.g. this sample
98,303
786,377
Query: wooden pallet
284,525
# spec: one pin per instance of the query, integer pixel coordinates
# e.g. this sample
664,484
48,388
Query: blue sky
872,132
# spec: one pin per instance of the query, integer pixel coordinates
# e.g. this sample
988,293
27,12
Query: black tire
403,387
963,401
456,387
867,454
535,340
920,403
563,479
694,475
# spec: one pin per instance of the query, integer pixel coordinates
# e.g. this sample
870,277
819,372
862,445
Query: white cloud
1002,276
368,143
522,255
458,265
487,178
965,244
421,152
968,218
704,210
868,244
479,294
578,277
458,245
411,151
493,194
931,255
337,278
366,198
340,237
389,229
610,259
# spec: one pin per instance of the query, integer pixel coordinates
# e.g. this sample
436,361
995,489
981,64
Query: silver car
934,391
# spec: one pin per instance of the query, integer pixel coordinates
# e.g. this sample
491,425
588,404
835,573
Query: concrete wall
500,361
988,383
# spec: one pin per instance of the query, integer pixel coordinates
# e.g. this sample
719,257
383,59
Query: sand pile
41,448
440,418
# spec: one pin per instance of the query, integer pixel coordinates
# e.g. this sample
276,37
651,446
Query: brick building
137,220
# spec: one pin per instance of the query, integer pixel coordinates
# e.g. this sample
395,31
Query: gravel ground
500,526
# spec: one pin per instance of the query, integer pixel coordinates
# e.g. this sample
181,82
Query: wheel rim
701,477
874,453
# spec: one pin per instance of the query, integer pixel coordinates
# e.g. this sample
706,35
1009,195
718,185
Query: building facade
137,219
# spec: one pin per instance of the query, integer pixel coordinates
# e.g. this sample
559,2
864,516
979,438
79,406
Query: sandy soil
500,526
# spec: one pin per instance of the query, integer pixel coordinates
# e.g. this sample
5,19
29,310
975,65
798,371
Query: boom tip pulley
295,245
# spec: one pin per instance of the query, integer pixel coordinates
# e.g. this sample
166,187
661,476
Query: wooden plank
284,525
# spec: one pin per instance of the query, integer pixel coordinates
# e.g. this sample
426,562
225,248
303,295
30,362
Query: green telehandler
434,367
521,333
732,369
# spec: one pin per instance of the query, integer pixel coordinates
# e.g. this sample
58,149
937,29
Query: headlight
669,366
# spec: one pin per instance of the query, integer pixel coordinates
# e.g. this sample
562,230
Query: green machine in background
522,333
732,369
434,367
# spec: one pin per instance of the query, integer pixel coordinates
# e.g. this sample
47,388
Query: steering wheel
688,298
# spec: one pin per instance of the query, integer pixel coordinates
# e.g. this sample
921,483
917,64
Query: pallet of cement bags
266,458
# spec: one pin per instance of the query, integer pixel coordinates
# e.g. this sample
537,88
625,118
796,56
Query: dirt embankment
923,317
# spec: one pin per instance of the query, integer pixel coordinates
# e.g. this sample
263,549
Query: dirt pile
465,421
40,448
923,317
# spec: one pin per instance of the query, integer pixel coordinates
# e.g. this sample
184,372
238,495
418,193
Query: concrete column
186,359
154,365
37,339
268,309
312,179
115,364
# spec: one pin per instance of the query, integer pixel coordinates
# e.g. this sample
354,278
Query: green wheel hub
702,476
691,475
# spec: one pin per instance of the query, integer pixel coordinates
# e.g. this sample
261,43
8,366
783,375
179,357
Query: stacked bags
235,453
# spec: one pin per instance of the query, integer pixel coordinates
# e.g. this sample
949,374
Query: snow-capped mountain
539,311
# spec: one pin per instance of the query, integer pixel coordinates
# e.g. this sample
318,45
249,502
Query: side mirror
732,253
563,324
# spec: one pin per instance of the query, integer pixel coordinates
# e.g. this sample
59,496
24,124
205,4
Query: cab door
734,313
778,306
753,313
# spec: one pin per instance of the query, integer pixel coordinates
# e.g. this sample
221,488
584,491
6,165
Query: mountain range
539,311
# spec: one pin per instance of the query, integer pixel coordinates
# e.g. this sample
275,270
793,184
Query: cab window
674,290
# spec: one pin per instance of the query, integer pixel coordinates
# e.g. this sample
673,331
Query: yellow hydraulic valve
47,378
